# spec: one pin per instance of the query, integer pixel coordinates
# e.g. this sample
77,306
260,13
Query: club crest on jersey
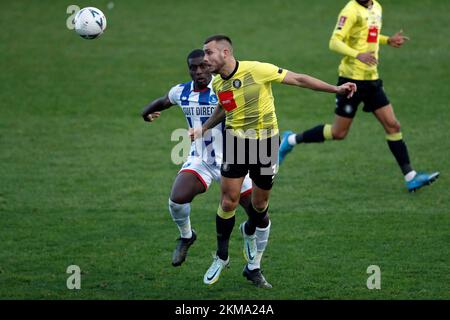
213,99
237,83
341,22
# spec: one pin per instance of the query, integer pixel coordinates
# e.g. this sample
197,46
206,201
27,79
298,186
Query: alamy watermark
72,10
74,280
236,146
374,280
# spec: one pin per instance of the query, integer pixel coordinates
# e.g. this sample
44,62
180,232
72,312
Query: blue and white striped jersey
197,107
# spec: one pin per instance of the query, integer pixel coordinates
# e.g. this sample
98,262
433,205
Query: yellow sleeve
215,87
214,84
384,39
346,20
266,72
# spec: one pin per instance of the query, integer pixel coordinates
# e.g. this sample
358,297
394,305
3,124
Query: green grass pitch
84,181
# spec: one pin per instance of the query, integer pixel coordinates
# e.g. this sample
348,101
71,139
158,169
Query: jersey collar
368,8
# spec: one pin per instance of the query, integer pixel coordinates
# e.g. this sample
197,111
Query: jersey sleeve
215,84
216,87
346,19
384,39
173,94
266,72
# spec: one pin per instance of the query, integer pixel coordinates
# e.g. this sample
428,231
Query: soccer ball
90,23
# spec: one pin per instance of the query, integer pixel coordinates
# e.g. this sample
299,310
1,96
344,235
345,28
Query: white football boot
250,248
213,273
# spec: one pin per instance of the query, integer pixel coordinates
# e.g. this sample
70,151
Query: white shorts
206,173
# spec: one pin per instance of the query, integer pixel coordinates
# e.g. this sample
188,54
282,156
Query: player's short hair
197,53
219,37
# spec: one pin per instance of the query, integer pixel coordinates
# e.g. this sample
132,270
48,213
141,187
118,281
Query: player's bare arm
397,40
305,81
217,117
152,111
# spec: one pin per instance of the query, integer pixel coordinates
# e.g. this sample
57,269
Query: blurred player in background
357,36
244,89
198,101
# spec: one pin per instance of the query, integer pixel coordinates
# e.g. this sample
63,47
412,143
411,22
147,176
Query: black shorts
369,91
259,157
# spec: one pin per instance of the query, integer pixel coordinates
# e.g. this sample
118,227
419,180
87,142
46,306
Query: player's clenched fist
151,117
348,88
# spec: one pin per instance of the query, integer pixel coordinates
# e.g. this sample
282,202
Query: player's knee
393,126
260,205
339,134
179,198
229,203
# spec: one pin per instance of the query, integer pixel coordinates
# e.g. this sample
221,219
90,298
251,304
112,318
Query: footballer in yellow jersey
357,37
358,30
244,90
246,95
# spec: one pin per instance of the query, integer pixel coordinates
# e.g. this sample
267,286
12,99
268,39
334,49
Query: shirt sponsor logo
372,37
199,111
341,22
227,100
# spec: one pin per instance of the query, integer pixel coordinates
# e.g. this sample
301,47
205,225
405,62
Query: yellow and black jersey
246,96
358,30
